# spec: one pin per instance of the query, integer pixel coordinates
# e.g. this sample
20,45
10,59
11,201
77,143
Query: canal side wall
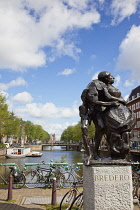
2,152
34,147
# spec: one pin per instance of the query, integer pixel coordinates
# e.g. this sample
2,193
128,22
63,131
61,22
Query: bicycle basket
18,176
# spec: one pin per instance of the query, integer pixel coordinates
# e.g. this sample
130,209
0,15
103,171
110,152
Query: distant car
15,145
26,143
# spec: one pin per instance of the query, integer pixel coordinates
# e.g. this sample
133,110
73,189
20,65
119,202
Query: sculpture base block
108,187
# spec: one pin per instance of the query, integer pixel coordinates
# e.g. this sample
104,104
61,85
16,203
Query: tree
30,130
4,116
74,133
11,125
40,133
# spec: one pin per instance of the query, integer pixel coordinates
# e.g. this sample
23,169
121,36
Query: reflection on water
56,154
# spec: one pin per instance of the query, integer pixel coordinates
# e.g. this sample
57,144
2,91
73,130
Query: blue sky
51,49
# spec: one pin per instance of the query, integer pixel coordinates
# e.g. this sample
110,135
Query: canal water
48,155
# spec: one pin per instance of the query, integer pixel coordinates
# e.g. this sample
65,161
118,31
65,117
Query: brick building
52,138
134,104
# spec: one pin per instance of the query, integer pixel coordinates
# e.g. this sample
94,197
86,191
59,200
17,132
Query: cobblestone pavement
21,198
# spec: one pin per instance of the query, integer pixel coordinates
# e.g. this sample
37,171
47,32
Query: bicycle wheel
134,191
77,202
60,180
19,184
135,179
32,180
68,199
69,179
138,195
79,180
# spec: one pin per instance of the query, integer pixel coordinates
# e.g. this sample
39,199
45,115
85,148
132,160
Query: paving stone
39,200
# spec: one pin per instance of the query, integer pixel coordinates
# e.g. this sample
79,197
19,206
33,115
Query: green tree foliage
10,125
73,133
4,116
40,133
29,130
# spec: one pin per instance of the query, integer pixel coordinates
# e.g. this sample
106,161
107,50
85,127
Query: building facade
134,104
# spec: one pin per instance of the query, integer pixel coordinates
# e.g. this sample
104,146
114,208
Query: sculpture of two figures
104,105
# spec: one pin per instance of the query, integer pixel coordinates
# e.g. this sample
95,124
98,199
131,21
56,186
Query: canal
55,155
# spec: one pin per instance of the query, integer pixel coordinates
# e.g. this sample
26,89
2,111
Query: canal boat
63,147
34,154
17,152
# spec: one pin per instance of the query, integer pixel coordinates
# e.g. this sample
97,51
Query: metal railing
28,166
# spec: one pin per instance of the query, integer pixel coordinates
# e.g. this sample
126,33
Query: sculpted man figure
101,93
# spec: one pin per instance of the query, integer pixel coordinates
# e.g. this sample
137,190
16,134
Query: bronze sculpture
116,121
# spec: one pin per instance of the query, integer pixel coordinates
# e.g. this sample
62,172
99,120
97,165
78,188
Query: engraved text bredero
111,177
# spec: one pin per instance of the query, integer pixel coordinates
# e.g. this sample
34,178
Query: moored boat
19,152
63,147
34,154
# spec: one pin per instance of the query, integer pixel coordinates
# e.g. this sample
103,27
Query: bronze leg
84,128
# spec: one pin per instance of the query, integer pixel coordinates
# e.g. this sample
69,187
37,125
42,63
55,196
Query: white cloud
122,9
23,97
65,47
67,72
117,81
5,94
18,82
56,128
128,58
47,114
53,127
129,83
95,76
29,26
48,110
126,97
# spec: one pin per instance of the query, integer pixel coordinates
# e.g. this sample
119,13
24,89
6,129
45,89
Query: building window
138,94
138,124
134,107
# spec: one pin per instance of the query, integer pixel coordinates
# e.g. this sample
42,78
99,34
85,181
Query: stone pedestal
108,187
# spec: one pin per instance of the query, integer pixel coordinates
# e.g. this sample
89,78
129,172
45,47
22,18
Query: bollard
10,188
54,192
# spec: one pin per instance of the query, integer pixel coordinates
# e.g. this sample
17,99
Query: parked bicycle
18,177
77,202
71,176
136,181
42,176
68,199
